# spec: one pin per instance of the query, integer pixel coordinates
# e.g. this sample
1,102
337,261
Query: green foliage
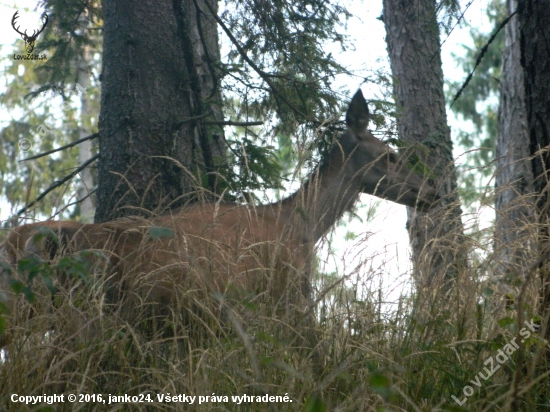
33,267
77,266
478,103
35,93
285,40
156,232
256,166
314,404
3,312
380,384
66,37
449,13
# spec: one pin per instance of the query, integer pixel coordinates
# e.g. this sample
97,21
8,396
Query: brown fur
235,248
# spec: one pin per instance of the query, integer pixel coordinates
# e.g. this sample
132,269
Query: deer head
358,163
29,40
382,171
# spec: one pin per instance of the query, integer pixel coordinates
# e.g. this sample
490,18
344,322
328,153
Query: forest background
396,341
385,221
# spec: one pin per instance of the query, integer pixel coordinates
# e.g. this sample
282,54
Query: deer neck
332,189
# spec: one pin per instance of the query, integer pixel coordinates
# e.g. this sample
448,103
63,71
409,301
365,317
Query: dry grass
413,358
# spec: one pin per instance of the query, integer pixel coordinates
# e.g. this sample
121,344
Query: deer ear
357,116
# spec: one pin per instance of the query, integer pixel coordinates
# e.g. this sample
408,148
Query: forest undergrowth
475,344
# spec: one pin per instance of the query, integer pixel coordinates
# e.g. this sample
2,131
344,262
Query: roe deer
230,248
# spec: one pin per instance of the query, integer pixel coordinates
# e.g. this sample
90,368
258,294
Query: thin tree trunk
515,219
204,75
85,148
413,46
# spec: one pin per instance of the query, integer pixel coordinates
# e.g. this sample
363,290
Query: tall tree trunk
156,99
85,148
413,46
514,226
534,19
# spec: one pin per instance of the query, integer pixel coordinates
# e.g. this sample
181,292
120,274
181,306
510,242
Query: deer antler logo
29,40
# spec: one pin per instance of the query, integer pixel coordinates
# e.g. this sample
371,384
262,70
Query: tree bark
86,185
515,218
413,45
156,95
204,70
534,19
